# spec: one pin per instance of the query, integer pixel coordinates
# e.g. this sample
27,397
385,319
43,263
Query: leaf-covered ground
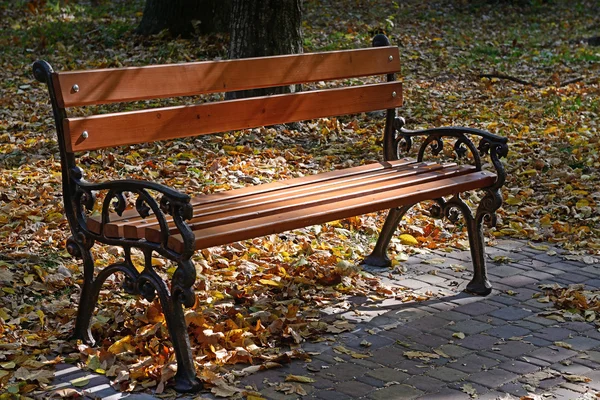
524,71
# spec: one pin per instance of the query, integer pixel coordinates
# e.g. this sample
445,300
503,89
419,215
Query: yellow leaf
458,335
270,282
299,378
121,346
551,129
408,240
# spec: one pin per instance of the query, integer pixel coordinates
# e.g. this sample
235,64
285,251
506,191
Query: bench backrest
81,88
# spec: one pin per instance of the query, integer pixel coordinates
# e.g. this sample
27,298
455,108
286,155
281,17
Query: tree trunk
185,17
265,28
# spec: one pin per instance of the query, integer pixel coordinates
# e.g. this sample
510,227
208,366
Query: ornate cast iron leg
479,284
89,291
485,213
379,258
185,379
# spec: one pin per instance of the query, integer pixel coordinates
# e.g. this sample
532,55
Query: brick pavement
507,349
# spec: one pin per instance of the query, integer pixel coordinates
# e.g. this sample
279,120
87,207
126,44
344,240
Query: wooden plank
330,198
131,217
110,130
275,201
159,81
228,233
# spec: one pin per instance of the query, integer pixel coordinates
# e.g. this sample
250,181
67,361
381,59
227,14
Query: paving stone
582,343
376,341
455,351
573,369
515,349
347,371
428,324
535,361
430,340
446,374
399,392
593,283
513,388
519,367
431,279
444,306
389,355
552,355
592,333
504,271
527,325
473,363
445,333
478,342
465,298
354,388
511,313
564,266
453,316
574,278
474,309
494,356
540,320
550,383
330,395
553,334
595,377
490,320
517,281
536,341
493,378
446,394
387,374
576,387
412,283
565,394
506,300
508,331
424,383
369,380
577,326
469,327
539,275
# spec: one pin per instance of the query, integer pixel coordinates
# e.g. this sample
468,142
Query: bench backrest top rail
109,130
103,86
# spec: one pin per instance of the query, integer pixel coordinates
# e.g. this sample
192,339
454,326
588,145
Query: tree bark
265,28
185,17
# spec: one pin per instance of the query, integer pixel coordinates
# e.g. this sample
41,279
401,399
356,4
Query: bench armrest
171,203
489,144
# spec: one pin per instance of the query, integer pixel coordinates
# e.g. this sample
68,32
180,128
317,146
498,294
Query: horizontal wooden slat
138,83
182,121
211,213
330,196
298,218
341,175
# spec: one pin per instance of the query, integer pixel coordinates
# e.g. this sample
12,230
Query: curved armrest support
489,144
172,203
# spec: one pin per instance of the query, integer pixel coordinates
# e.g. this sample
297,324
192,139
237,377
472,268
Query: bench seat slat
298,218
286,198
109,130
104,86
129,216
372,189
252,194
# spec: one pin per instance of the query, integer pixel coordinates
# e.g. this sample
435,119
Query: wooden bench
164,221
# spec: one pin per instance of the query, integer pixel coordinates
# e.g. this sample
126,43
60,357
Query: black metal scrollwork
490,145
